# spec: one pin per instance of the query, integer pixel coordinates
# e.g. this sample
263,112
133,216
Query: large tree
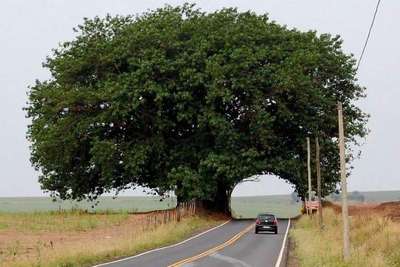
177,99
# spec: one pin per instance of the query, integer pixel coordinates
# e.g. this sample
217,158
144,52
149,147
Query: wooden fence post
178,213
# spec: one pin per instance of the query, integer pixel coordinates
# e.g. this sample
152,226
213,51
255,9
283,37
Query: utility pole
345,210
318,168
308,171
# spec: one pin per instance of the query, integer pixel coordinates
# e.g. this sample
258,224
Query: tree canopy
183,100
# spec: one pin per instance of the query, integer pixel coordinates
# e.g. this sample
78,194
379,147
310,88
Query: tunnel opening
264,194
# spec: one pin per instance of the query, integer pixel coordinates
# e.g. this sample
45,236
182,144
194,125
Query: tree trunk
221,201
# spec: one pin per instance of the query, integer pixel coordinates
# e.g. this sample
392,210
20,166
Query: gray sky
30,29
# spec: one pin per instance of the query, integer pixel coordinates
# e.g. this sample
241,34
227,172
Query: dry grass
79,239
375,241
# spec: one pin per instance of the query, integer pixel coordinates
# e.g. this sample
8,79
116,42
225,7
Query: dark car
266,222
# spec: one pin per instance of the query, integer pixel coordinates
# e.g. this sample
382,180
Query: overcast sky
30,29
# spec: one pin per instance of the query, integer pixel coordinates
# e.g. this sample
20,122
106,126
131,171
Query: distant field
280,205
370,196
127,204
242,207
381,196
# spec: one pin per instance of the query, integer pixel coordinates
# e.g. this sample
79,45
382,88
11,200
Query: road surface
232,244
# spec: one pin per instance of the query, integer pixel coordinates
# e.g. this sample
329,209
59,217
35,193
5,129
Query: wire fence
154,219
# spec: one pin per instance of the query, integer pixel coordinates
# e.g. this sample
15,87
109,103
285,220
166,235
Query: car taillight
257,221
275,221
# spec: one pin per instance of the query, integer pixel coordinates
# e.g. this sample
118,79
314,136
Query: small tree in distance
177,99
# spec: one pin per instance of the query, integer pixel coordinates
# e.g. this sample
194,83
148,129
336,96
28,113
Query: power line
369,33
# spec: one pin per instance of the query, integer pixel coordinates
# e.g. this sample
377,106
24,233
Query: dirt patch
389,209
386,209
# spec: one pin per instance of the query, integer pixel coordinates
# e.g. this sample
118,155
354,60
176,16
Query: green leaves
177,99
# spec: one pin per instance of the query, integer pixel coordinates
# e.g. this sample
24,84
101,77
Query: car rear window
266,217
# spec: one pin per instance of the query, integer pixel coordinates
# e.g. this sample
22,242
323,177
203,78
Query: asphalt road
228,245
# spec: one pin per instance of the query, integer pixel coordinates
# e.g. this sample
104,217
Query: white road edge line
162,248
278,262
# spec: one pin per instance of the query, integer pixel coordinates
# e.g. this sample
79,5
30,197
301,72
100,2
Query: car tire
256,231
276,232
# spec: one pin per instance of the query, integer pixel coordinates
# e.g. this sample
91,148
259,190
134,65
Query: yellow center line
214,249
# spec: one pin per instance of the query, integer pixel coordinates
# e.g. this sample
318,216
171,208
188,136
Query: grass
73,220
3,226
381,196
374,196
242,207
128,204
375,241
281,205
104,243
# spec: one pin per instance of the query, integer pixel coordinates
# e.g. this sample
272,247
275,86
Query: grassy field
243,207
59,221
281,205
124,204
381,196
375,241
369,196
71,238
